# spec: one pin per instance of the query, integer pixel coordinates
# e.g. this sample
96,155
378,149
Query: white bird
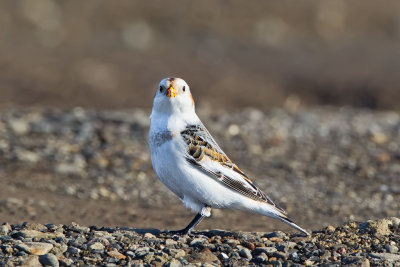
190,163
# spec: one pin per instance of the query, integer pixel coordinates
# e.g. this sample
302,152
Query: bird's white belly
192,185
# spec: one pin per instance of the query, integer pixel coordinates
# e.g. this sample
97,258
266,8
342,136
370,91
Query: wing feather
201,146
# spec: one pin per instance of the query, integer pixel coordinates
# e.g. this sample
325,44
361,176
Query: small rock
248,245
7,249
279,234
275,263
382,227
180,253
114,253
233,242
130,253
79,229
385,256
204,256
365,263
49,260
223,256
96,246
294,256
4,229
261,258
267,250
281,255
170,242
141,252
174,263
391,249
35,248
245,253
65,262
149,236
19,126
342,251
29,261
35,226
308,262
73,250
379,138
197,242
35,234
330,229
276,239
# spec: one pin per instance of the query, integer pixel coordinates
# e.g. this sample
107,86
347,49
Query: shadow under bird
190,163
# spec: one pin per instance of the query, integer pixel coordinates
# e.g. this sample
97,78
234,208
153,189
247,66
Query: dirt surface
325,166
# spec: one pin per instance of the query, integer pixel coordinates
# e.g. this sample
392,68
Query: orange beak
171,92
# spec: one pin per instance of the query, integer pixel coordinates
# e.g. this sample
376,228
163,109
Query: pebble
35,248
4,229
28,261
141,252
35,234
391,249
266,250
197,242
73,250
96,246
174,263
149,236
114,253
386,256
170,242
49,260
246,253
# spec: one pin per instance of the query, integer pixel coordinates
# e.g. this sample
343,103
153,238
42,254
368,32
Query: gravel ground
325,166
372,243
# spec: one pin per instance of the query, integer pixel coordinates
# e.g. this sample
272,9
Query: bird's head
173,96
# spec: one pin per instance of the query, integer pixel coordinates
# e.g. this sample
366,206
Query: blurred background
77,79
111,54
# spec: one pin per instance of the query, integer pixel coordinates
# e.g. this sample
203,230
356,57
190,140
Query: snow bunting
191,164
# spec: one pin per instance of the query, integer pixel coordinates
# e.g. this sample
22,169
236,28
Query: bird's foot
178,232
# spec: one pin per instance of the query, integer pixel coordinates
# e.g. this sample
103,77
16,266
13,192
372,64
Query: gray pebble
267,250
35,248
386,256
246,253
198,242
141,252
261,258
73,250
96,246
49,260
174,263
130,254
392,249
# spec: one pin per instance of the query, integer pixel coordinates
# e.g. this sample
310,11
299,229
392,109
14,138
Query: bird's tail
291,223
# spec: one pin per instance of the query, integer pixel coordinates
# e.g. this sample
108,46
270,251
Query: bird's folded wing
204,153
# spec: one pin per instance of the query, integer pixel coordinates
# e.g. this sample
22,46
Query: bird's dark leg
196,220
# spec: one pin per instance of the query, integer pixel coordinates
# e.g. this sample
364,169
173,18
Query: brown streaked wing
201,144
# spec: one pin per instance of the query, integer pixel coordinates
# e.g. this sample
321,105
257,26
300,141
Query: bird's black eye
184,88
161,89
